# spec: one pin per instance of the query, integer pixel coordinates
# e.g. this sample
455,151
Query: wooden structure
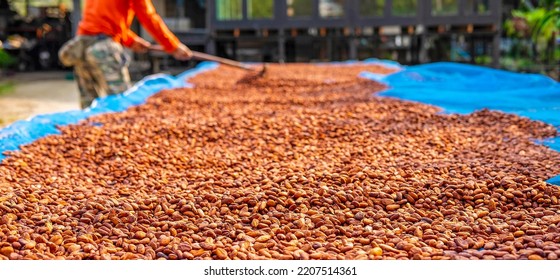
410,31
361,24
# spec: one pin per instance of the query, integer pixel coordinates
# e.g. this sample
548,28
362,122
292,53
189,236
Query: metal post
244,9
181,8
472,48
354,14
329,39
353,47
463,9
496,49
76,15
280,15
388,9
210,17
281,46
315,12
422,50
497,34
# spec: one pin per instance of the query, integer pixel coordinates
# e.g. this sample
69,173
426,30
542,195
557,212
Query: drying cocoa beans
305,162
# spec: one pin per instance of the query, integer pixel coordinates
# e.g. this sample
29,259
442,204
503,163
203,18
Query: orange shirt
114,17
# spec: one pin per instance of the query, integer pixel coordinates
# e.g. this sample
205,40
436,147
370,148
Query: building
409,31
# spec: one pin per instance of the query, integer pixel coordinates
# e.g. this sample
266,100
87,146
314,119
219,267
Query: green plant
6,60
372,8
404,7
551,18
6,87
536,27
260,9
229,9
483,60
526,24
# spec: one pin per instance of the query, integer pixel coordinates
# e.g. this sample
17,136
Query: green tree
539,26
445,7
229,9
260,9
6,60
300,8
404,7
550,19
372,8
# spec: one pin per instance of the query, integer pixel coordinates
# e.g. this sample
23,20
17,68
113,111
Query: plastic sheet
463,89
26,131
554,180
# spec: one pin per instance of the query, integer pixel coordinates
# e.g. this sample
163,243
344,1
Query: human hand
140,45
182,53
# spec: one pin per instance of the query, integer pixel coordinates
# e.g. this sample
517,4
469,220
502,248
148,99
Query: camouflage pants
100,66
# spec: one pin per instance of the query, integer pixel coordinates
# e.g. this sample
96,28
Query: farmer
97,54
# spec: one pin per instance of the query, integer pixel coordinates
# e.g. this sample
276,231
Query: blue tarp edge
462,89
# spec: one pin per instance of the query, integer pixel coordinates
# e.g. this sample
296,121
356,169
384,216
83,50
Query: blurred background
516,35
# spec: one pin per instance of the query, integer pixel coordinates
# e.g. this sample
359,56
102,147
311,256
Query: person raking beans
97,54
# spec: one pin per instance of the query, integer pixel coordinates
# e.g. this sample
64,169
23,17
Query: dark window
170,8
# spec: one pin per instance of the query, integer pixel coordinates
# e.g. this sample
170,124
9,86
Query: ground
37,93
26,95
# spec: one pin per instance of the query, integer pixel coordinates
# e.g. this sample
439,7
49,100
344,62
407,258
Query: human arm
152,22
136,43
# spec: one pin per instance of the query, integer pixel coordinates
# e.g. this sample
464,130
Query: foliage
6,87
540,22
233,9
229,9
260,9
301,8
550,19
404,7
483,60
6,60
19,5
535,29
524,23
445,7
372,7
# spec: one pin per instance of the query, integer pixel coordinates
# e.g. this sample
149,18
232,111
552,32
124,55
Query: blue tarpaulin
463,89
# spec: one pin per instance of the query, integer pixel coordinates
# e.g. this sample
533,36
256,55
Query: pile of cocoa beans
305,162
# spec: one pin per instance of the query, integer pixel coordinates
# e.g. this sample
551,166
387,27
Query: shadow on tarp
463,89
26,131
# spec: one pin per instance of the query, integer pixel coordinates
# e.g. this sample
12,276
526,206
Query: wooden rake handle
208,57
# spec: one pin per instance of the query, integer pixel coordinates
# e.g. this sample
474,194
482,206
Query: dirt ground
51,92
38,93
